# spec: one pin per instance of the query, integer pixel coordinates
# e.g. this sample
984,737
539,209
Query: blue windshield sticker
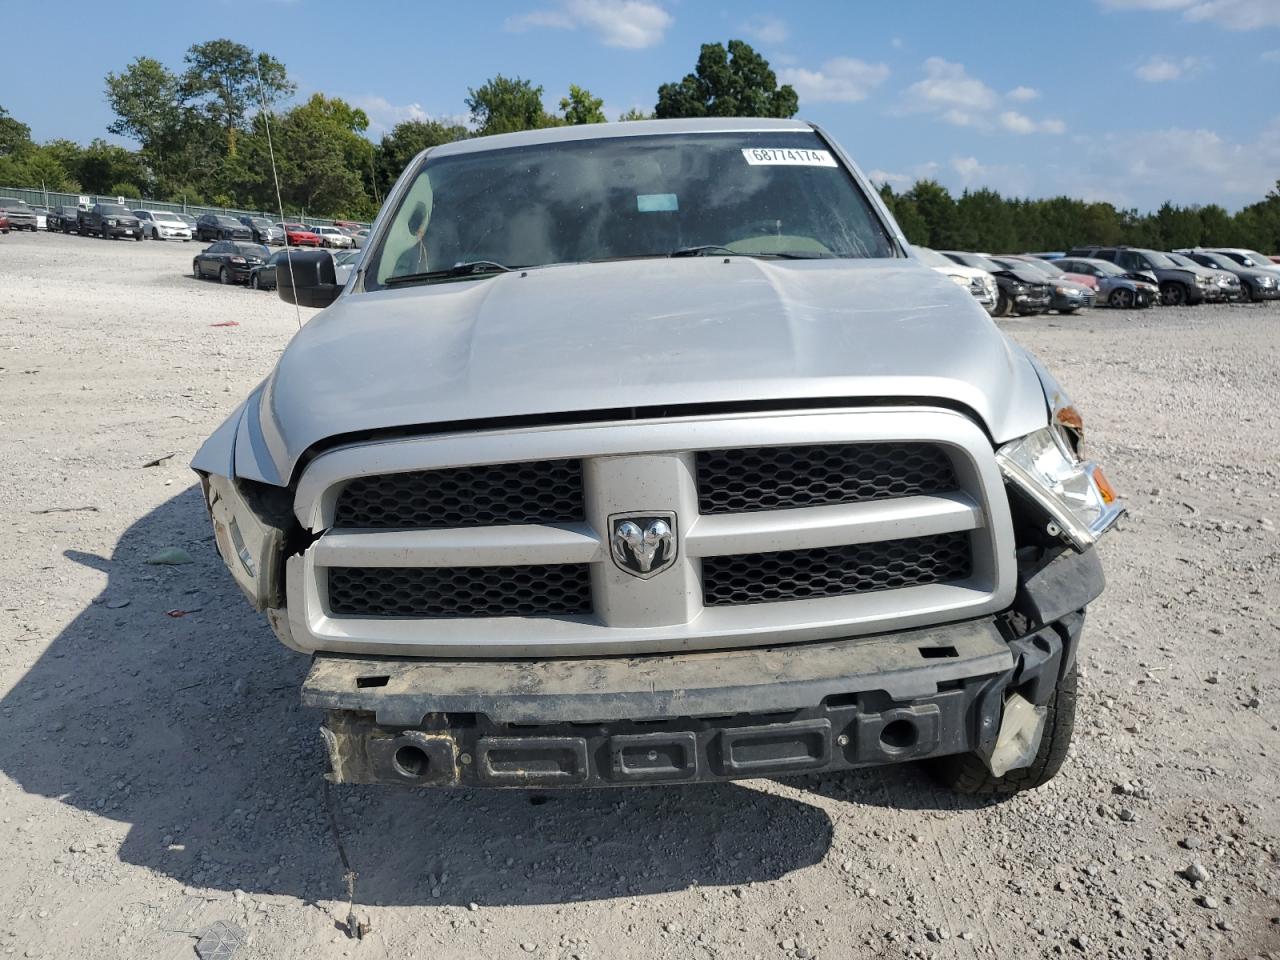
657,203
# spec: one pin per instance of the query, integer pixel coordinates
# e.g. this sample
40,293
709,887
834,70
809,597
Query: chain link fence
54,198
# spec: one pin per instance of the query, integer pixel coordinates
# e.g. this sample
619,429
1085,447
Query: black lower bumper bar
717,715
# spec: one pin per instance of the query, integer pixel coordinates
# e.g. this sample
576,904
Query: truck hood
640,333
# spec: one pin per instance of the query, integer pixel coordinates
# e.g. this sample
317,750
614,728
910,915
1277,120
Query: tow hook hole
372,681
412,761
537,800
938,653
898,735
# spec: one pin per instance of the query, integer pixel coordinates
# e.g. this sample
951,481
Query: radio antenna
275,176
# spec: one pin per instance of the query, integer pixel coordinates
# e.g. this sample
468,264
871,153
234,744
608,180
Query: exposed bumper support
693,717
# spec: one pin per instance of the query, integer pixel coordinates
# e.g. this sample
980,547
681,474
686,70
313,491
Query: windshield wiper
469,268
711,248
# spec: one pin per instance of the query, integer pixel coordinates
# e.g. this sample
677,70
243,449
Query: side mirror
307,278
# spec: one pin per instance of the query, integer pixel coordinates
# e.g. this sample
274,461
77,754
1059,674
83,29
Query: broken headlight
1074,492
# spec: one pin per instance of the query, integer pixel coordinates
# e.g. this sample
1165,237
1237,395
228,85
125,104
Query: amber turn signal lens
1104,487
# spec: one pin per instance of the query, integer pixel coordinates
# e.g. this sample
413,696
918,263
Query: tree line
202,137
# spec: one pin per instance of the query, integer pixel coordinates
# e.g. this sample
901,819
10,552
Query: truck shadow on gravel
168,706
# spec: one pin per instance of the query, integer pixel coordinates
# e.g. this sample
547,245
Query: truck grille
530,591
548,491
788,525
835,571
780,478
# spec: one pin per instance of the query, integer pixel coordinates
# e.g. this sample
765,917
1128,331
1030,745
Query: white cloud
766,29
1146,167
951,94
1159,69
947,89
1271,56
842,80
1228,14
630,24
904,178
383,114
1016,122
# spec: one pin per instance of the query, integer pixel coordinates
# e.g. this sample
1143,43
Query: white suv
162,225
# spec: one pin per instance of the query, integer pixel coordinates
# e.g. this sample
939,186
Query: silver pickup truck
648,453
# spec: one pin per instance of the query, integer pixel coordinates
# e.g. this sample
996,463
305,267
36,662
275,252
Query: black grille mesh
530,591
778,478
548,491
835,571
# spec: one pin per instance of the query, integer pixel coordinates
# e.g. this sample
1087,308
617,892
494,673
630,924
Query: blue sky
1132,101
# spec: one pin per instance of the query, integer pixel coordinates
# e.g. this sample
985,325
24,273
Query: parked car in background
299,235
42,217
231,261
349,227
1054,255
1179,286
18,213
1116,287
263,276
189,220
4,223
360,239
215,226
1249,258
1228,283
980,283
1053,270
1022,290
1256,283
109,221
162,225
263,230
344,264
1065,296
64,219
331,237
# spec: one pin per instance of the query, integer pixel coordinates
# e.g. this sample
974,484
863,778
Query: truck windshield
780,194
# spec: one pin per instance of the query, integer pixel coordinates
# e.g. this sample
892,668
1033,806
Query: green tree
406,140
937,209
581,107
732,82
506,105
103,167
635,113
15,136
322,155
221,81
145,97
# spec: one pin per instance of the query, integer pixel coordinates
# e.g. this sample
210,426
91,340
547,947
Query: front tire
1173,295
253,282
224,276
195,269
1121,299
966,772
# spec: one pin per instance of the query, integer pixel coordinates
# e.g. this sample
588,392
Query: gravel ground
157,774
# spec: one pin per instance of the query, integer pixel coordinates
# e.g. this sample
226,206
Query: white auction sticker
788,157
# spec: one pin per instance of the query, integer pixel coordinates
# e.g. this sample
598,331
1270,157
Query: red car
4,223
299,236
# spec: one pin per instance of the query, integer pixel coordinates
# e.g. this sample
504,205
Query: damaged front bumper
717,715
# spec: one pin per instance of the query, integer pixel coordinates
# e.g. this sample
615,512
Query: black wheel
253,281
224,275
138,238
966,773
195,269
1121,299
1173,294
1004,306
